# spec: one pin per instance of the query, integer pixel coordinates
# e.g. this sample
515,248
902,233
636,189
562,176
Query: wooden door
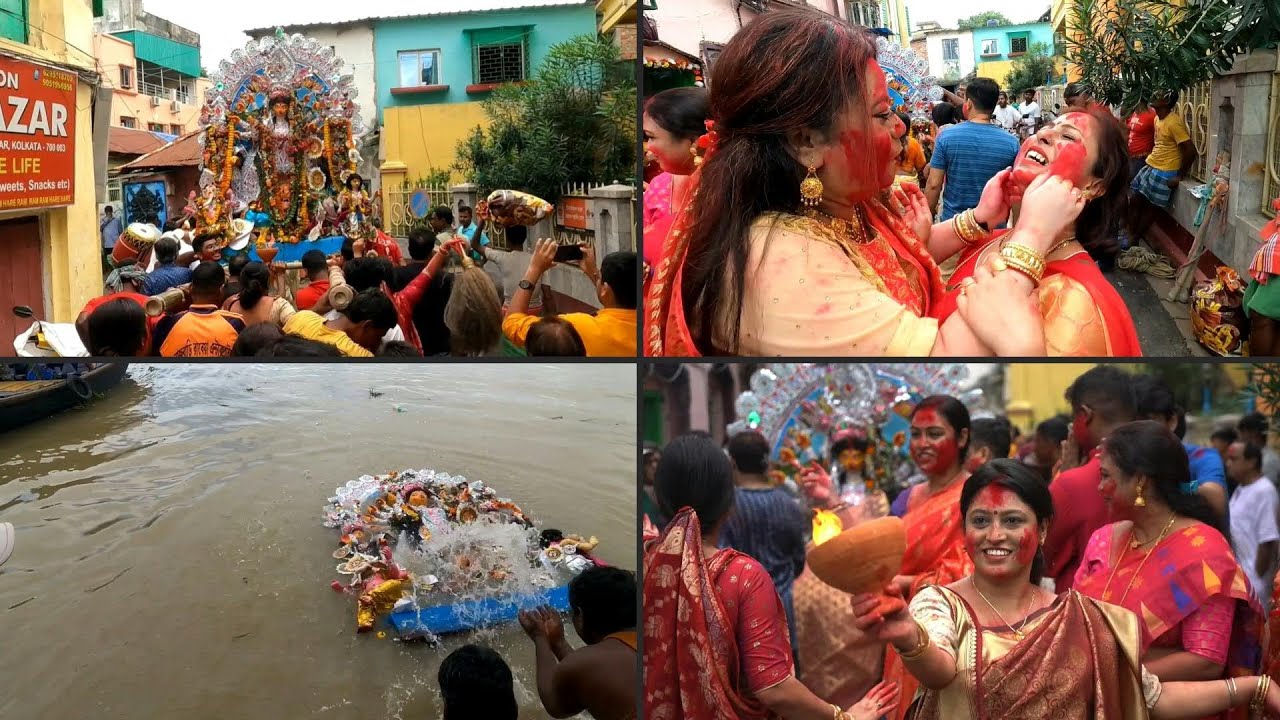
21,277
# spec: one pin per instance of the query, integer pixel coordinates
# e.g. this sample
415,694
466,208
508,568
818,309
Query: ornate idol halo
911,88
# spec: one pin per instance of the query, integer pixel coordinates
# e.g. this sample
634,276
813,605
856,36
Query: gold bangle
922,644
972,231
1022,255
1231,692
1031,272
835,712
1260,696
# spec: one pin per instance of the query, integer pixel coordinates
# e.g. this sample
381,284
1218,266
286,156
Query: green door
654,417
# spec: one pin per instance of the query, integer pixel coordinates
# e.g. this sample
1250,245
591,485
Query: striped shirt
971,154
769,526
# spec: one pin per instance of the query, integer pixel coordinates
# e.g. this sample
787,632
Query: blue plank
471,614
292,252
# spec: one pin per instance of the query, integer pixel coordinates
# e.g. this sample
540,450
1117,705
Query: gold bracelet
1034,275
922,644
1231,692
972,230
1260,696
963,229
1023,255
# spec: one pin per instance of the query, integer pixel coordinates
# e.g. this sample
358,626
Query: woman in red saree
673,121
935,538
1168,562
785,245
995,645
716,644
1083,314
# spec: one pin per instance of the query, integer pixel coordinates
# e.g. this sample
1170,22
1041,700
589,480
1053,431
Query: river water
170,558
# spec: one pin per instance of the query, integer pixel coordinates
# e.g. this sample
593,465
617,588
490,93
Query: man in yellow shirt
356,332
611,332
1168,163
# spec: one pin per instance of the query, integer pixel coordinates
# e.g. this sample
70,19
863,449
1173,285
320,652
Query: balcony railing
164,93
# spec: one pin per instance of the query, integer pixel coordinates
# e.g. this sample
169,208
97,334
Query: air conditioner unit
155,101
175,106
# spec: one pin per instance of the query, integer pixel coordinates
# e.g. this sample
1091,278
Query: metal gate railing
399,204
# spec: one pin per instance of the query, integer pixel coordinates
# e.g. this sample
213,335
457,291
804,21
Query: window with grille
175,129
499,63
866,13
126,77
113,192
419,68
156,127
951,50
1017,45
126,121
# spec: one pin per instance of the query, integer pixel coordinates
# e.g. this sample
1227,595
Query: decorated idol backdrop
912,89
279,150
802,408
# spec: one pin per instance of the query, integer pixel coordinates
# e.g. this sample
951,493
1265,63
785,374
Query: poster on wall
37,135
144,202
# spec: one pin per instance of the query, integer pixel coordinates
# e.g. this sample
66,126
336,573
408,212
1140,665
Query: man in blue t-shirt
967,155
1156,401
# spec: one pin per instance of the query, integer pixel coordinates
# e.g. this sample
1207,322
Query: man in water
476,684
599,678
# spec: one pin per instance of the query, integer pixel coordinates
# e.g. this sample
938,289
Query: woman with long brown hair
1082,313
786,247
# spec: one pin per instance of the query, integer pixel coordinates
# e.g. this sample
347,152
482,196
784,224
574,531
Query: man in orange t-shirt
203,330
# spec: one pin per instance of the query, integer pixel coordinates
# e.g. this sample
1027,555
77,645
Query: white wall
937,67
685,24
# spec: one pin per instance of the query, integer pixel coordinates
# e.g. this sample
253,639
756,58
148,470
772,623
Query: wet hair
680,111
256,338
207,279
1055,429
606,597
421,242
1147,448
956,414
619,271
694,472
750,452
1254,423
372,305
517,235
442,212
290,346
554,337
1108,391
167,250
983,93
1099,222
1227,435
473,314
397,348
765,88
1022,481
476,684
314,262
944,113
366,273
254,280
117,328
993,434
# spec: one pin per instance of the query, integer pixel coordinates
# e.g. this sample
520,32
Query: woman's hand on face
880,701
995,203
885,617
1050,205
914,207
1002,313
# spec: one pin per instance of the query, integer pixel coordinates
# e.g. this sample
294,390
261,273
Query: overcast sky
221,25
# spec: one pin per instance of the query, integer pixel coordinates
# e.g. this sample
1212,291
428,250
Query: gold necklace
1017,632
1163,533
1059,245
854,231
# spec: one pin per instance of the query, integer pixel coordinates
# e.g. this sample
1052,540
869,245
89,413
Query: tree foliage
1032,70
1128,49
981,19
575,121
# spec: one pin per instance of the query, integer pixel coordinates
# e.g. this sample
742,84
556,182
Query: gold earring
1140,501
811,188
697,159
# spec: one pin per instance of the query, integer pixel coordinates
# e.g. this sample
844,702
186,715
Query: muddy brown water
170,559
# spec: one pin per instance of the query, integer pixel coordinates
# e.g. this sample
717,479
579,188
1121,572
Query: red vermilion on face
932,455
1022,541
1080,431
869,151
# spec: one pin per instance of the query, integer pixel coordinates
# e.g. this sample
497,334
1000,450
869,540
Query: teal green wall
13,20
1036,32
452,36
164,52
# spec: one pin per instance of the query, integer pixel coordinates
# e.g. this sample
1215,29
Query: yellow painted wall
62,32
423,137
1034,392
998,70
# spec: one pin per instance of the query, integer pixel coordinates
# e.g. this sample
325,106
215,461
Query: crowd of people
600,678
1103,566
453,294
798,213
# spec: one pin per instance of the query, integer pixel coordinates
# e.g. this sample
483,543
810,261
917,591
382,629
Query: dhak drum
136,239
